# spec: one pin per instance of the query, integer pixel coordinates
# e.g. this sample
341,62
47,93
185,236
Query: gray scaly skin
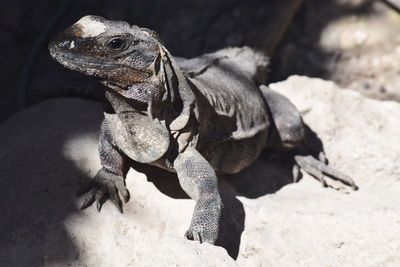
198,117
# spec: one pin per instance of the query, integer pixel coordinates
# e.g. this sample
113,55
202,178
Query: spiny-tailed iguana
199,117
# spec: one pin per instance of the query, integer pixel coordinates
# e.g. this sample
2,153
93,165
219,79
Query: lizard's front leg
199,181
109,180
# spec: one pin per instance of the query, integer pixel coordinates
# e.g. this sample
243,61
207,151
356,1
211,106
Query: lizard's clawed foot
105,185
205,222
203,232
320,170
194,235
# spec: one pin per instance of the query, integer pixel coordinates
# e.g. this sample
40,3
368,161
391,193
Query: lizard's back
232,113
227,79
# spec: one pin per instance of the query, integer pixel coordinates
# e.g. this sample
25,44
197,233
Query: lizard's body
199,117
223,144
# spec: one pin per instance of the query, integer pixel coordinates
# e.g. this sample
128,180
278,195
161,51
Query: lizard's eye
116,44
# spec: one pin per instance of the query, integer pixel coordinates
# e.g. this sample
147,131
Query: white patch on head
71,45
91,27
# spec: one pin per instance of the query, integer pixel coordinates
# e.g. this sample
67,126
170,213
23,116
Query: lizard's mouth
96,67
81,63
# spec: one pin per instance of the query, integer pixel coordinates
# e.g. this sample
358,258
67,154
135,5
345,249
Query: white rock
49,148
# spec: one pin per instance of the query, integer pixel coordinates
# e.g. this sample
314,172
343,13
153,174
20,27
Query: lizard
199,118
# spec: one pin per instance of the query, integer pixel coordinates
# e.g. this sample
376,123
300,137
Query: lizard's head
116,53
129,60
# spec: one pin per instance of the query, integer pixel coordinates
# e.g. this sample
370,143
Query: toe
112,190
89,198
189,235
197,236
101,197
297,175
122,190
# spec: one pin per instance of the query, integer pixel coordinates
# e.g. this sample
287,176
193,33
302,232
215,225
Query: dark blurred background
356,43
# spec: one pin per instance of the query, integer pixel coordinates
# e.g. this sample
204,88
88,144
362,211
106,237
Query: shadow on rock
39,176
45,154
273,169
233,215
267,175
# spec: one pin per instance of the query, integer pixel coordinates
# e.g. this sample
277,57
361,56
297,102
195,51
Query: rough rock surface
355,43
48,149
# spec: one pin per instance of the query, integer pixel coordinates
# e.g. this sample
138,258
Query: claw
119,206
103,186
112,190
99,203
296,173
197,237
98,206
122,190
322,157
89,198
100,198
86,204
336,175
189,235
354,187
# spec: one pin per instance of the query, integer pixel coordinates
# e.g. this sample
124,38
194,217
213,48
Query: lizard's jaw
97,67
87,65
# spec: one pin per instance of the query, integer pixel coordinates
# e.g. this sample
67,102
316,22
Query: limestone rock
49,149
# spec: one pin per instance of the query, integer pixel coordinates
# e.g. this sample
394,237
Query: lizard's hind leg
288,131
287,126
